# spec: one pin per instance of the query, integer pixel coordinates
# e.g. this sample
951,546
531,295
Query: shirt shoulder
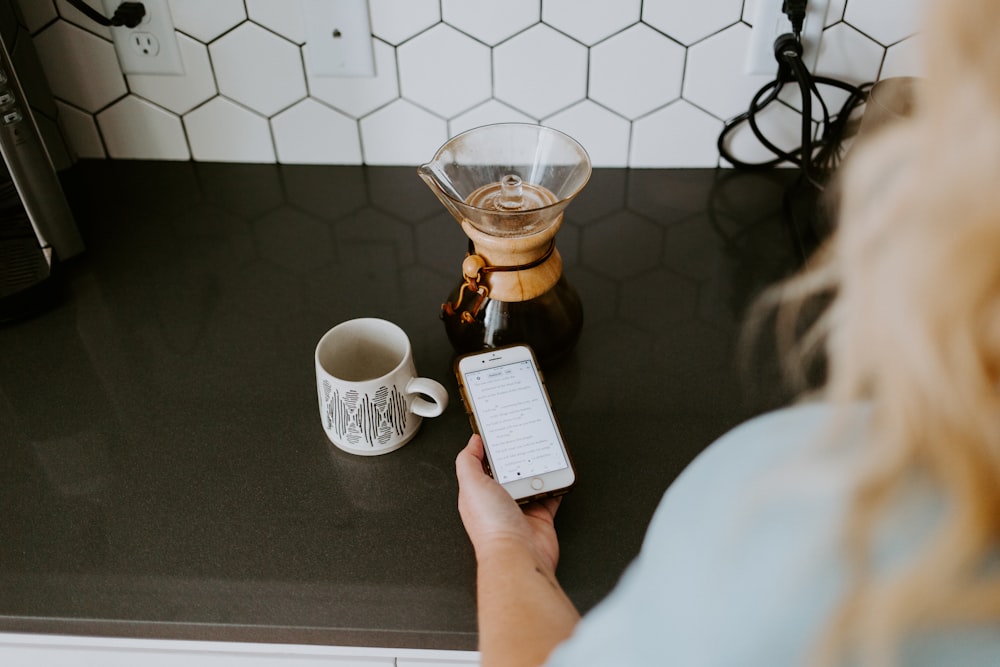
741,562
711,530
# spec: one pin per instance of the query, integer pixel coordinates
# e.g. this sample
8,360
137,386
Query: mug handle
431,388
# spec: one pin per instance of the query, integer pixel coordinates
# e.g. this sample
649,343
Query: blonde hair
914,327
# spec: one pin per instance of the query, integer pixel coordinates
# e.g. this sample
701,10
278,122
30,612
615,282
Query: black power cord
795,10
817,154
128,14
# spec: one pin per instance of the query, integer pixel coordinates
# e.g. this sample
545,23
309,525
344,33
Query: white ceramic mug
371,400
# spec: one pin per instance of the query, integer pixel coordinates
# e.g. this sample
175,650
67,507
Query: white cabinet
31,650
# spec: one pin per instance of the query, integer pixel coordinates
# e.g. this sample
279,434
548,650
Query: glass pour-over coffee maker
507,185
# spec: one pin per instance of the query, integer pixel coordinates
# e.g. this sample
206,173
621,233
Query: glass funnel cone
509,179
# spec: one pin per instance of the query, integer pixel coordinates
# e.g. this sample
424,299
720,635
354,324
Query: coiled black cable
128,14
817,155
814,156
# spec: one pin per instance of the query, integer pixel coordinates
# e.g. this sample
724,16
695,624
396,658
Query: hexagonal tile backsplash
640,84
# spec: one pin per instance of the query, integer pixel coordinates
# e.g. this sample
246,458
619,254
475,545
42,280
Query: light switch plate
338,38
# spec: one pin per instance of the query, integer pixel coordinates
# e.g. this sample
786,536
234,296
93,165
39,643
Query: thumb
469,462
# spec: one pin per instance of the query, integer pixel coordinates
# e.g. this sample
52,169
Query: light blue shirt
742,563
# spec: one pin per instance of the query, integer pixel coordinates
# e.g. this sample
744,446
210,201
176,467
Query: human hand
491,517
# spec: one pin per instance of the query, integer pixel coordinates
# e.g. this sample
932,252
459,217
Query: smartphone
504,394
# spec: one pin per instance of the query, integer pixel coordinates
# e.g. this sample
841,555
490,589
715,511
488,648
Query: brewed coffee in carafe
508,185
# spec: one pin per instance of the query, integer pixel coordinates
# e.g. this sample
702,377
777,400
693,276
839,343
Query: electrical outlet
145,44
338,38
150,47
769,22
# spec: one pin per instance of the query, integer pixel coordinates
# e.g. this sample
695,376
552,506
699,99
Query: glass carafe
507,185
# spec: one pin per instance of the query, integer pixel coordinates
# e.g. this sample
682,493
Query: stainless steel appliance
36,225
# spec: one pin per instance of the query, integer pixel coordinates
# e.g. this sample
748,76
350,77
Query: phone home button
537,483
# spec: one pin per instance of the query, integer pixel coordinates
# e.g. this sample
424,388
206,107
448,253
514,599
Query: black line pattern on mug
358,417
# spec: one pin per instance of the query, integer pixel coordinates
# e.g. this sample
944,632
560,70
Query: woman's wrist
510,549
523,611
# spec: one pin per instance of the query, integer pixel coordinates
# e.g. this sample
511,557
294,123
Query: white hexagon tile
259,69
540,71
640,83
82,68
133,127
656,68
81,130
444,71
312,133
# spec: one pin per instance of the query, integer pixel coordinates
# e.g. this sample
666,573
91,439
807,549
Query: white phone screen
515,422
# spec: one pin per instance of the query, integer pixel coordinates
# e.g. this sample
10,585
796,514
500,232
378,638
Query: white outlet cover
157,25
769,22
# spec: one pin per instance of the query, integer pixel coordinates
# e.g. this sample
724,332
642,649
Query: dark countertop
163,471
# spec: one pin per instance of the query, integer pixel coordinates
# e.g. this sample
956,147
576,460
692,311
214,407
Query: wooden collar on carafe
513,268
